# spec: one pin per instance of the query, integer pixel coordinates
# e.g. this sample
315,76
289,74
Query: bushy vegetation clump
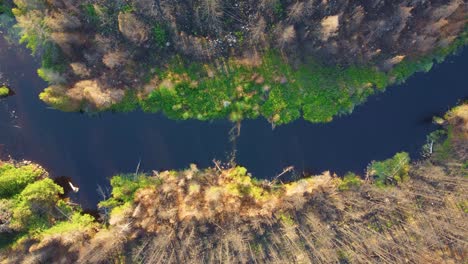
31,207
392,171
4,91
13,179
350,181
124,187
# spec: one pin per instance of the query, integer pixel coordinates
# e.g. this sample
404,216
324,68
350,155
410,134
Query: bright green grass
314,91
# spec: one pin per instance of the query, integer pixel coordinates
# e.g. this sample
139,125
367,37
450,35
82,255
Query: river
90,149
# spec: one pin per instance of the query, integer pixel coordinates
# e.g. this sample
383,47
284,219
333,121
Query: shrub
14,179
91,14
127,8
391,171
350,181
4,91
76,223
57,98
124,187
43,191
160,35
32,208
128,103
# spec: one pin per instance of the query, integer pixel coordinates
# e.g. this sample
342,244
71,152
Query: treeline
398,212
207,59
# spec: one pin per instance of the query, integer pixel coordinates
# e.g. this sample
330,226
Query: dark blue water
92,149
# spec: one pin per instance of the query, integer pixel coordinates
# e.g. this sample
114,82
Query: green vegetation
444,150
31,207
273,90
34,35
278,9
350,181
77,222
127,8
160,35
57,99
451,142
129,103
124,187
7,21
4,91
287,220
406,68
5,8
13,180
392,171
52,58
90,13
465,168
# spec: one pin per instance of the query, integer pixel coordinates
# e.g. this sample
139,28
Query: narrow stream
90,149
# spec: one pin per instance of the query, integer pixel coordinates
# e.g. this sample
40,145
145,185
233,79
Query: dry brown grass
194,217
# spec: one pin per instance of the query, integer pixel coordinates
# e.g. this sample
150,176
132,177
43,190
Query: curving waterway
90,149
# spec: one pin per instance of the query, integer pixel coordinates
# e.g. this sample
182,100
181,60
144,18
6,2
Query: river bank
122,56
107,143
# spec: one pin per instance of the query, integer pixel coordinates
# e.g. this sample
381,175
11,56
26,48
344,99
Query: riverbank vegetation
401,210
4,91
221,59
31,207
